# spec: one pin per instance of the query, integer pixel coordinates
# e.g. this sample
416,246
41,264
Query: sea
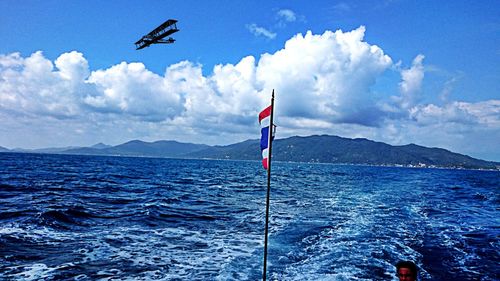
69,217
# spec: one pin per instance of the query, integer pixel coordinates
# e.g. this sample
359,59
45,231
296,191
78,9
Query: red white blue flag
265,124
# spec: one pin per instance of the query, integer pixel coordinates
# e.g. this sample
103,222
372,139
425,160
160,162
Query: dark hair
407,264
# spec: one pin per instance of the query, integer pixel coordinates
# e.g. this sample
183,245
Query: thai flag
265,124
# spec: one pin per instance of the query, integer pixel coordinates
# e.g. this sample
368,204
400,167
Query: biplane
158,34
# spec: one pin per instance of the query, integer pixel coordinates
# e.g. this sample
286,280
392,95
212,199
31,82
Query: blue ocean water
68,217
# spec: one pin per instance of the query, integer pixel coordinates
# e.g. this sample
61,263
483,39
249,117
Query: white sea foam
36,271
176,252
34,233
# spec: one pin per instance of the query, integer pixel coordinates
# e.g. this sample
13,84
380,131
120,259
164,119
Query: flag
265,124
267,129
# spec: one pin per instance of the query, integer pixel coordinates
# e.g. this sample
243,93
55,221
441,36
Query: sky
400,72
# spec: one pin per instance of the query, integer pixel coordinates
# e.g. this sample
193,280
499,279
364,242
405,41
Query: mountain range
311,149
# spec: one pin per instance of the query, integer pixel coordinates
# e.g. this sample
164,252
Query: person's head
406,271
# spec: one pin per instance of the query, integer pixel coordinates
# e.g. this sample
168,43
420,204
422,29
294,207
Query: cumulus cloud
411,83
328,75
260,31
134,90
72,67
32,86
323,82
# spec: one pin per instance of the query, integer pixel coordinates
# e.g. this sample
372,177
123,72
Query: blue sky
401,72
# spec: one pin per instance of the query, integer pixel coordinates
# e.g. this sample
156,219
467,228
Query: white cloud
470,128
134,90
32,86
328,75
260,31
287,15
72,67
323,82
10,60
448,87
411,83
486,113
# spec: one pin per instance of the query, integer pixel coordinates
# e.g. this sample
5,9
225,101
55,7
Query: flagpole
270,145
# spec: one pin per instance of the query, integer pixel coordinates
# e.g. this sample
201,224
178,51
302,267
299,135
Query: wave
112,218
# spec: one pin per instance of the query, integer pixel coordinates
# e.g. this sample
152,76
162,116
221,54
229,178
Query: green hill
311,149
334,149
141,148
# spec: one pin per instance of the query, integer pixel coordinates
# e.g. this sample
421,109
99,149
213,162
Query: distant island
310,149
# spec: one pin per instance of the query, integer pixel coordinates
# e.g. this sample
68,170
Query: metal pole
270,145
